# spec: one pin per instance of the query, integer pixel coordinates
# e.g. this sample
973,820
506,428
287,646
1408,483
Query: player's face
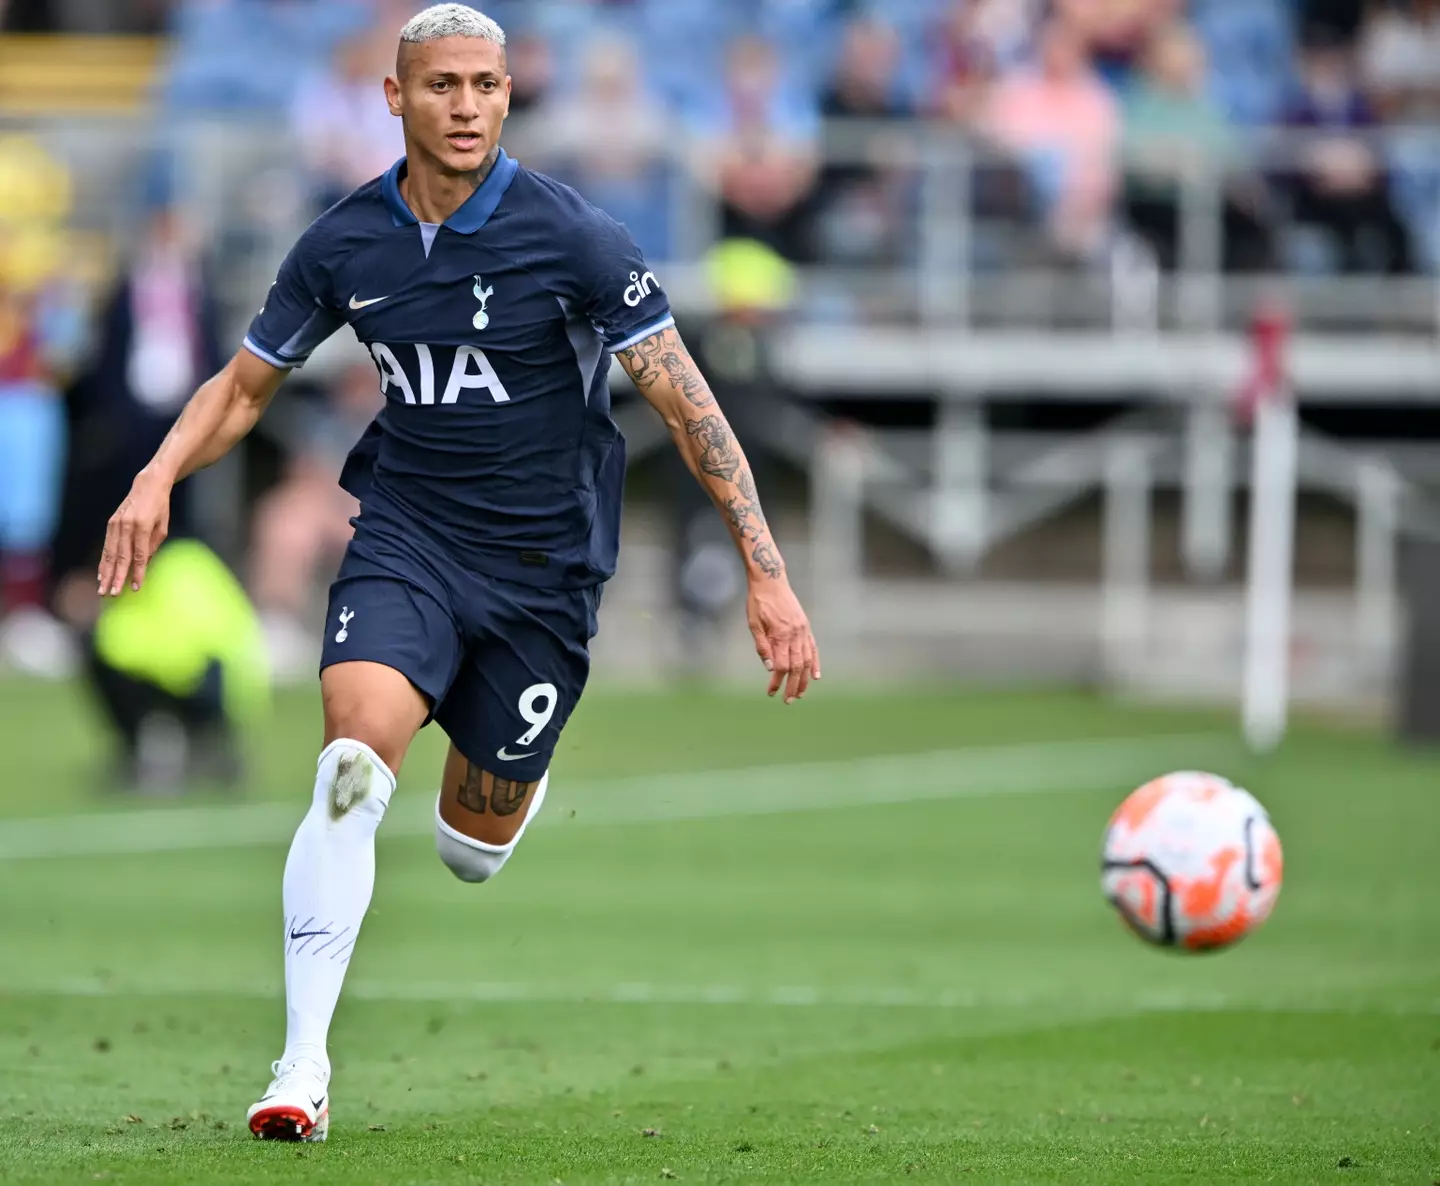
453,95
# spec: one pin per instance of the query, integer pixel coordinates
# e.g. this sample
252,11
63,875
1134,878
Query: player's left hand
783,638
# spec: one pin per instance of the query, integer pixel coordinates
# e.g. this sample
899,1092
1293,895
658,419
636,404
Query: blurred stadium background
989,288
1002,252
978,278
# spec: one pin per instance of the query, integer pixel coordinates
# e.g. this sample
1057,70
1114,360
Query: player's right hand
134,533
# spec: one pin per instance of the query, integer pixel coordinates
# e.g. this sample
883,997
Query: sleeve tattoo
717,447
743,509
712,444
664,354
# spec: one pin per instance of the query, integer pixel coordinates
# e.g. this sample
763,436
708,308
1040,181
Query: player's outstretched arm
666,375
217,416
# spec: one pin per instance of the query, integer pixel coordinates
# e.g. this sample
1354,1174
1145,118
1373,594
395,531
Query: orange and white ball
1191,861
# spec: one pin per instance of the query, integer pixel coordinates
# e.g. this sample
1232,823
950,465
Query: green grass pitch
859,939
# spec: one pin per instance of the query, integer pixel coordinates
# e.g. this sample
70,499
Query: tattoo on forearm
748,521
717,446
506,795
720,458
687,377
743,508
665,353
663,356
766,559
640,362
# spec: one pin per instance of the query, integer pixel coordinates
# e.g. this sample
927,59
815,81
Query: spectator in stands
969,48
1062,123
865,82
964,59
234,67
156,339
1332,21
1006,28
532,71
861,197
1174,135
757,147
38,341
1250,44
1116,33
345,130
1400,64
1340,183
247,56
303,523
610,140
1400,60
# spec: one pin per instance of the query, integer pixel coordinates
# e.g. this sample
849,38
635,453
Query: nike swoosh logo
354,304
504,757
318,1104
306,934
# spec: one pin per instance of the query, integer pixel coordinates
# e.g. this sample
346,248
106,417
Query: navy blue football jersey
491,334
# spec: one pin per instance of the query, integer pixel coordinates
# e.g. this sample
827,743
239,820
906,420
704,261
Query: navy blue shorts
502,663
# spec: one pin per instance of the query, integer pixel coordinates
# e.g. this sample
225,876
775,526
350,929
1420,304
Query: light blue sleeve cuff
647,332
265,356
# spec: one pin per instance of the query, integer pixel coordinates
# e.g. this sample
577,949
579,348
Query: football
1191,862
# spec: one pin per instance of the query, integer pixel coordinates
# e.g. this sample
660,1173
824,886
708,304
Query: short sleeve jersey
491,335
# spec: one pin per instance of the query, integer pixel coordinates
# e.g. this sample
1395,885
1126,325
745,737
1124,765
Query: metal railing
1124,623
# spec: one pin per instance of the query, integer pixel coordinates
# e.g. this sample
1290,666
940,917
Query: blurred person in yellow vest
39,339
753,287
180,670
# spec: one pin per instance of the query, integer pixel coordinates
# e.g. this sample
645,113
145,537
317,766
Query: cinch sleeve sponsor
624,299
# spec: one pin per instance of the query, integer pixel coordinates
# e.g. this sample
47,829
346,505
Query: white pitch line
1114,764
721,995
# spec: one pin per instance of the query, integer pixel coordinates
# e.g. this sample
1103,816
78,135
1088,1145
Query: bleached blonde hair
451,20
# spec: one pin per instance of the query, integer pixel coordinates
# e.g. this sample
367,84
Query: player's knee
470,860
374,705
348,714
353,780
372,734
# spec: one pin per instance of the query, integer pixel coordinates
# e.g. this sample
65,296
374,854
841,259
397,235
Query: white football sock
329,877
474,860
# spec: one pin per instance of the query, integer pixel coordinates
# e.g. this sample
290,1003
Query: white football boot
296,1106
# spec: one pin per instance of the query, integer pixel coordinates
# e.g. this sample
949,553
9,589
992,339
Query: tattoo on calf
506,795
472,790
